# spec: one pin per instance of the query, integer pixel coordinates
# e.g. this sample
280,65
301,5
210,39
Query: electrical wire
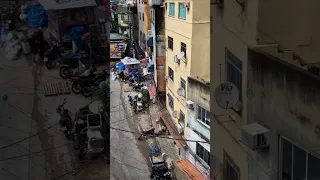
159,136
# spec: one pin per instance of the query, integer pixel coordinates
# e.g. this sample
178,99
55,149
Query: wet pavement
129,156
37,156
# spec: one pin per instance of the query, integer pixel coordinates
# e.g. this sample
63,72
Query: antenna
180,55
227,95
175,114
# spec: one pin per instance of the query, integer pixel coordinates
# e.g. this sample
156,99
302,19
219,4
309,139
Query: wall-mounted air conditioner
255,136
181,92
190,104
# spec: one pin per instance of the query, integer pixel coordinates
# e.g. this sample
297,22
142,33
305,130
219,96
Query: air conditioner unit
219,3
190,104
175,59
255,136
187,5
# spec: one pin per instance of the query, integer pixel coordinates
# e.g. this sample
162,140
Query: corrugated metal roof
190,170
66,4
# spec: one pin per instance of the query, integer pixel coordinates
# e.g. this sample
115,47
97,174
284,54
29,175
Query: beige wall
230,31
294,28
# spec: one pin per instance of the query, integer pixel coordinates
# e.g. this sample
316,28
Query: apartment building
187,35
140,7
273,131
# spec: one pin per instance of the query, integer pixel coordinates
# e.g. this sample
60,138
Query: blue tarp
37,16
76,34
121,66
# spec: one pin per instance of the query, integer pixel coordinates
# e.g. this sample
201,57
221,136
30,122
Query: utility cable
159,136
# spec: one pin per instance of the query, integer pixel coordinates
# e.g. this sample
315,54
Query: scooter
91,86
147,132
53,57
65,118
86,77
66,70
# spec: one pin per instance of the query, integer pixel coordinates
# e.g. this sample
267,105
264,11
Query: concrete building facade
270,59
187,37
198,125
140,7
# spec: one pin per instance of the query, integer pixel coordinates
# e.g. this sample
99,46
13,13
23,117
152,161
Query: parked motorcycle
87,76
147,132
53,57
90,86
66,70
137,87
65,118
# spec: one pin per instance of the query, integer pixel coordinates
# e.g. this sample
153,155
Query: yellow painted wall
194,31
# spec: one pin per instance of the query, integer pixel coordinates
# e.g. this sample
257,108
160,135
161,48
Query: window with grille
203,115
203,153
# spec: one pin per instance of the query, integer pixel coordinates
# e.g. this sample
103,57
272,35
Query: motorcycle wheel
65,72
49,64
76,87
86,91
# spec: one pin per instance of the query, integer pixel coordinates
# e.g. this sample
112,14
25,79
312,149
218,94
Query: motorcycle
78,81
52,57
137,87
66,70
90,86
65,118
147,132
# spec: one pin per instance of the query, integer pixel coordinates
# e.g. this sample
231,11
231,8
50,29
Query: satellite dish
180,55
227,95
216,166
181,92
175,114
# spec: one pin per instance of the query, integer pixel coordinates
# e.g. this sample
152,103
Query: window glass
171,9
286,160
182,11
299,163
313,168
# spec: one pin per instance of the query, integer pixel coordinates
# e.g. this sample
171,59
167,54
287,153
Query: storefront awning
190,170
172,128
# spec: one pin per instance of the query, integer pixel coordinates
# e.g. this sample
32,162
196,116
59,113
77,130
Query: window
203,153
182,117
170,42
171,74
182,11
142,16
183,83
183,48
171,9
203,115
122,17
171,102
234,71
231,170
297,164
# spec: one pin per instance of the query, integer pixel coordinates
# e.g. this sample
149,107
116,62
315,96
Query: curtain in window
171,9
182,11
